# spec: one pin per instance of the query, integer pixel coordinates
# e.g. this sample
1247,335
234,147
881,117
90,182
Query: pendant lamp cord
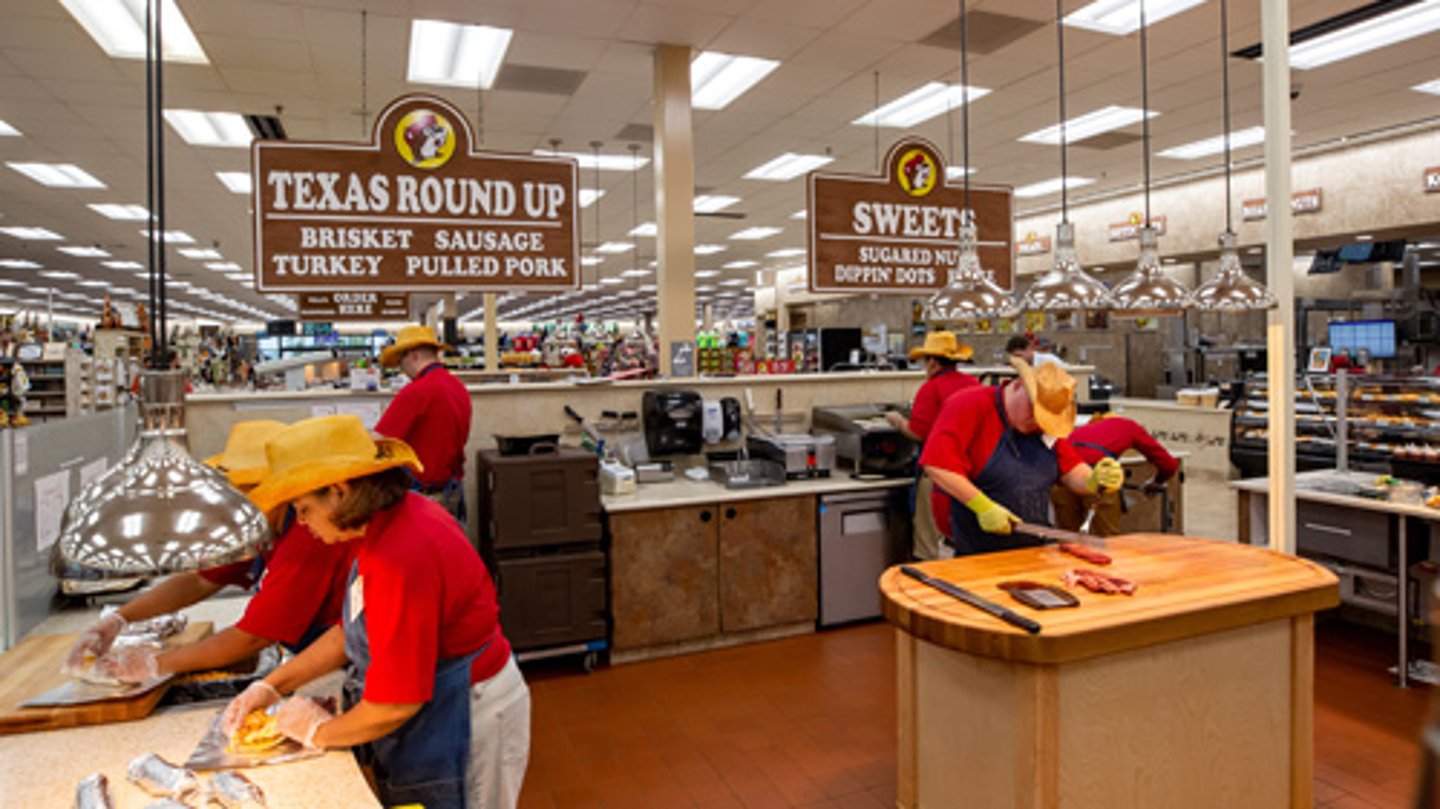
150,171
876,94
1064,166
160,247
1225,96
595,150
1145,104
364,74
965,104
635,204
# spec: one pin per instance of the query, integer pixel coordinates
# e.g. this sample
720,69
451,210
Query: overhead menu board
354,305
417,208
898,232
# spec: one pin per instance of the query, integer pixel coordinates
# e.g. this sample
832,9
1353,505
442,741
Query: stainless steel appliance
861,534
802,455
866,440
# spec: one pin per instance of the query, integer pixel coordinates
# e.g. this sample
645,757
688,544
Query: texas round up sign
417,208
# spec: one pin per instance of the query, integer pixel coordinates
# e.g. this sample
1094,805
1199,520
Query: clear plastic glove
256,696
130,664
1105,476
95,641
299,718
993,517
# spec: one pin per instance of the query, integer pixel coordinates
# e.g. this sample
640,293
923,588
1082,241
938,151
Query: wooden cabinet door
768,566
664,571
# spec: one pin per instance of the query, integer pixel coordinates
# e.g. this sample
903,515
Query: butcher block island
1195,691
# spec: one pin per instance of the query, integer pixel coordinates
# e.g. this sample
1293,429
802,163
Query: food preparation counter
1197,691
685,492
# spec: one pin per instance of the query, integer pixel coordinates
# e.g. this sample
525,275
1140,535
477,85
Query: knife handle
1005,614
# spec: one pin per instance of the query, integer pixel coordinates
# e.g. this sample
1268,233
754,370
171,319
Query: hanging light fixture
158,510
1066,287
1230,289
971,292
1148,291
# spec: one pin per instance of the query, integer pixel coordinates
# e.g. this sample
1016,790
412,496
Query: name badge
357,597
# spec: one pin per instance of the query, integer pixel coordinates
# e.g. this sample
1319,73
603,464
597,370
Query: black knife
1005,614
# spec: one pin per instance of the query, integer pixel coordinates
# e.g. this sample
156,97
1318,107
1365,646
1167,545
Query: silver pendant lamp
1230,289
970,292
1148,291
1066,287
158,510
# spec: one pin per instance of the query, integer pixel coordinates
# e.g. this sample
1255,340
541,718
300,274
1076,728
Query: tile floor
810,722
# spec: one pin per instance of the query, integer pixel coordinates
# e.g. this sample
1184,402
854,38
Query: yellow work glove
1105,476
994,518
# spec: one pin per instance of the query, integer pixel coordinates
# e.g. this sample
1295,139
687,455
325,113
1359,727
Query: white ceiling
76,105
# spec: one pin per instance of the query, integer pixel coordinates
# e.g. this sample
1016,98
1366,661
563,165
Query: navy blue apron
449,488
1018,476
422,762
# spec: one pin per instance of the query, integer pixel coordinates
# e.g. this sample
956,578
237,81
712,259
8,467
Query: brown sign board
1130,229
415,209
354,305
1310,200
1432,180
898,232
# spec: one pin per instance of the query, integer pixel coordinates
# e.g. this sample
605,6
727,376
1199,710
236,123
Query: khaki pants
1070,510
925,534
499,740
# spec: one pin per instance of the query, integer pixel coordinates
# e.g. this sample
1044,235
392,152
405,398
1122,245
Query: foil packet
81,692
162,779
93,792
214,752
167,803
231,790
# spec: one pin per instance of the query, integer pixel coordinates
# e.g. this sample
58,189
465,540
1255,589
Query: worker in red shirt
431,414
941,352
434,698
300,580
998,450
1107,436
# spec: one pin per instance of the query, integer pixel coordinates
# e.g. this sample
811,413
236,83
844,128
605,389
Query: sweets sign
899,232
357,305
416,208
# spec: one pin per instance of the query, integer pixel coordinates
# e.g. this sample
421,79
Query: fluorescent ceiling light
753,234
706,288
920,105
717,78
237,181
8,131
84,252
636,273
610,282
589,195
710,203
123,265
706,273
123,212
709,249
1051,186
118,27
1216,145
59,275
455,55
199,253
788,166
94,283
223,266
1089,125
604,162
645,229
57,175
1121,17
173,236
788,252
1406,22
734,282
956,172
32,234
800,214
226,129
740,265
18,264
646,288
591,261
1431,87
615,247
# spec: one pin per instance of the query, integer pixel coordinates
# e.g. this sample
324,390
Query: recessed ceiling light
717,78
8,131
788,166
956,172
199,253
1051,186
610,282
122,212
57,175
119,28
123,265
922,104
591,261
589,195
706,273
647,288
1431,87
1367,34
223,266
173,236
59,275
84,252
755,233
18,264
709,249
637,273
237,181
710,203
604,162
32,234
800,214
1121,17
643,229
615,247
1216,145
94,283
1089,125
740,265
198,128
455,55
788,252
734,282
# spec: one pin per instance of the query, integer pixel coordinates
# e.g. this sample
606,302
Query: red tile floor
810,722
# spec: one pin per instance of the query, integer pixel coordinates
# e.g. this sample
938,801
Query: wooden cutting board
33,667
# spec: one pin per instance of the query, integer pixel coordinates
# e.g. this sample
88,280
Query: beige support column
707,322
674,199
492,332
1280,271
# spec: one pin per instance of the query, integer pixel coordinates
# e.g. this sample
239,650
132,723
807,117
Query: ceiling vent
636,133
989,32
266,127
545,80
1105,141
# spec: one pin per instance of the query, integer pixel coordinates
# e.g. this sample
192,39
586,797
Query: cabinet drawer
1362,537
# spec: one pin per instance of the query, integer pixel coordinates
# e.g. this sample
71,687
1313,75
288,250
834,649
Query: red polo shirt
932,396
1119,435
965,436
427,597
432,415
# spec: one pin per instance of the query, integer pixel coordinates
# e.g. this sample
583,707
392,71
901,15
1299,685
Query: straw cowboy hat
1052,393
411,336
243,460
942,344
323,451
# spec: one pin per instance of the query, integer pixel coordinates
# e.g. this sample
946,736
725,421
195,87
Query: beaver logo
425,139
917,173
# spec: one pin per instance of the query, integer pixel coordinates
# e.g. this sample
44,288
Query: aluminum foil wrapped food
153,630
167,803
94,793
234,791
162,779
